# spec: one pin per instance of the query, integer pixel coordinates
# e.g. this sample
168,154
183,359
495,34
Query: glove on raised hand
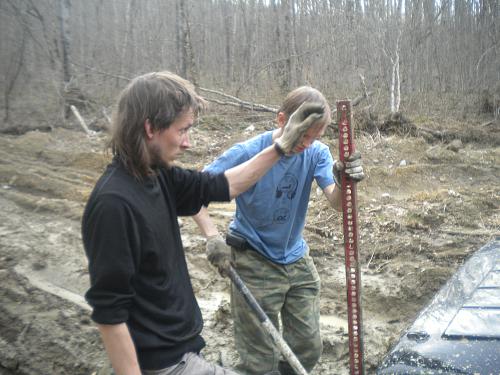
298,123
218,253
353,168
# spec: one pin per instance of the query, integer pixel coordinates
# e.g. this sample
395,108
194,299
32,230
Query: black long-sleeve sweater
137,266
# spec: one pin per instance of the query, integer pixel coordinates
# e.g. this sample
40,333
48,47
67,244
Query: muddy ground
428,202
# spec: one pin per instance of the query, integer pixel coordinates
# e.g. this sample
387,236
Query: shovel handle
266,323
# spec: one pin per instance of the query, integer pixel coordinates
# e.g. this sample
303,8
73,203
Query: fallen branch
233,100
236,102
467,232
488,123
106,116
81,120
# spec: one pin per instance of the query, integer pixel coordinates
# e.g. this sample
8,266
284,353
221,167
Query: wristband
279,150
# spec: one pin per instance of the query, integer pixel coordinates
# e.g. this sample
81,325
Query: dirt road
423,208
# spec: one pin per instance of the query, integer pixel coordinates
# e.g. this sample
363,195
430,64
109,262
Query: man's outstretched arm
218,253
245,175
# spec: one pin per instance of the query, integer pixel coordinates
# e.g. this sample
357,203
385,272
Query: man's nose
186,143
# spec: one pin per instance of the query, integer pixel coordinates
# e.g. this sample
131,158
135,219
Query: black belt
237,241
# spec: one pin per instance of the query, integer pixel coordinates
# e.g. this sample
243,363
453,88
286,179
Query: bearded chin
156,160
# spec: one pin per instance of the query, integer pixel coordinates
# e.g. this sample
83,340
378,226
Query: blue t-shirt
271,214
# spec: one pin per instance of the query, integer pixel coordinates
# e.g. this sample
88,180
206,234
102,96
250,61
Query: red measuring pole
349,209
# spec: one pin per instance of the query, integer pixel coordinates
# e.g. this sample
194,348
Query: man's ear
281,119
148,128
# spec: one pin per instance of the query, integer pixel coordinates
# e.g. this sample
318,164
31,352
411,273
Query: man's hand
218,253
298,123
353,168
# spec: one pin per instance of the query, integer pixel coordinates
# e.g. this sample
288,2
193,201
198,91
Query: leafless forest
409,54
427,76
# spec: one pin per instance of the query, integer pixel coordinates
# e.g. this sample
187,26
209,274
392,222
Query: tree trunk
291,66
395,81
188,65
64,14
129,22
228,51
17,64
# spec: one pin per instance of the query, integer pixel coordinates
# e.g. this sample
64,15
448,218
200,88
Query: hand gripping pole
266,323
349,209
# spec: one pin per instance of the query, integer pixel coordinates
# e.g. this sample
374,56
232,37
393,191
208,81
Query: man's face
168,144
312,134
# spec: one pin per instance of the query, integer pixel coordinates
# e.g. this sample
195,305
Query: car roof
459,331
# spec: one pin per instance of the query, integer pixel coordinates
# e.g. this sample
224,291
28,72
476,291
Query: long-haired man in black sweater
140,290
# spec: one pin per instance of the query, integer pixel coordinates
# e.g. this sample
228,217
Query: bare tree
188,66
252,48
64,14
228,22
291,65
129,27
395,90
14,67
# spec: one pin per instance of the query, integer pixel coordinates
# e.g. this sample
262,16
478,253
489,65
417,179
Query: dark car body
459,331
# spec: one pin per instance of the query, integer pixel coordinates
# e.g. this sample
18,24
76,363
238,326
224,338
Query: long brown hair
159,97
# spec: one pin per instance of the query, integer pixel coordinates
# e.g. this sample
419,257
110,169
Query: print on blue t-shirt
285,192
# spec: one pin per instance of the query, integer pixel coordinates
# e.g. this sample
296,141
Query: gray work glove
218,253
298,123
353,168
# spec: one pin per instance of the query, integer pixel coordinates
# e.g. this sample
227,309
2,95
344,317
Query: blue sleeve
323,172
229,159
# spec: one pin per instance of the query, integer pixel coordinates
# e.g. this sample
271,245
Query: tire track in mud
412,239
31,322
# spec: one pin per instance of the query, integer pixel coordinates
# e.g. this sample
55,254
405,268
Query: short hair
304,94
159,97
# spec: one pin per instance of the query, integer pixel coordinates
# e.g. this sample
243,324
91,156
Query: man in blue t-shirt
268,249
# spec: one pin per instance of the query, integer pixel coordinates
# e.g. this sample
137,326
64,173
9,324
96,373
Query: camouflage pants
290,292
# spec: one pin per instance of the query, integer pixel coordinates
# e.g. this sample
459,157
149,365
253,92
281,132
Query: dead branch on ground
236,102
233,100
239,103
81,121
